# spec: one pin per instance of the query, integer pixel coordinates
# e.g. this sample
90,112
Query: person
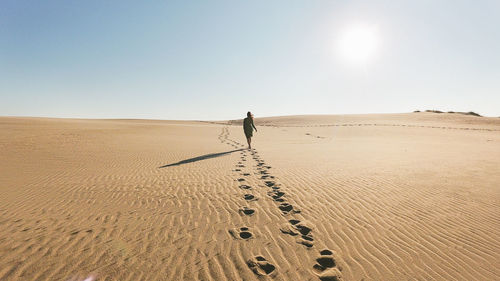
248,127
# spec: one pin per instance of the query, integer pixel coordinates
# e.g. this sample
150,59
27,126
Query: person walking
248,127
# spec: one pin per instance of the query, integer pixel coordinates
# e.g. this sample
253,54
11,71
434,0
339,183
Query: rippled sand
346,197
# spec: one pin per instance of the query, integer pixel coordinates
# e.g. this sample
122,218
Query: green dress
247,127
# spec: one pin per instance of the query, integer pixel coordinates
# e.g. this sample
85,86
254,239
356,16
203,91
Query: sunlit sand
343,197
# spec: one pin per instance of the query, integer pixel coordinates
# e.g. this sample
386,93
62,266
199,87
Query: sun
358,44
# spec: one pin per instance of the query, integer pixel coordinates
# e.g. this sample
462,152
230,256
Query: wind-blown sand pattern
352,197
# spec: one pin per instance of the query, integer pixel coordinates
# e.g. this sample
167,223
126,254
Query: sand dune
347,197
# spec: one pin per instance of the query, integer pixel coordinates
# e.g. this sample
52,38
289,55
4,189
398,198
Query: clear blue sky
218,59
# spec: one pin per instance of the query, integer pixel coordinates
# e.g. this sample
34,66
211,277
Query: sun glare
359,43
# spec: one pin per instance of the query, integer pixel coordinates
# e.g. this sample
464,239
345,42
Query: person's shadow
199,158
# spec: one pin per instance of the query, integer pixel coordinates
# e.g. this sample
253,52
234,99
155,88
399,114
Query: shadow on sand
199,158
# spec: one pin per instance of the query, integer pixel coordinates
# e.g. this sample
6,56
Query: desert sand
336,197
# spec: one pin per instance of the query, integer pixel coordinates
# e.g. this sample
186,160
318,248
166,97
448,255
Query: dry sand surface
353,197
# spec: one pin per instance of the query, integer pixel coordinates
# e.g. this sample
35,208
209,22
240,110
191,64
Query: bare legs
249,140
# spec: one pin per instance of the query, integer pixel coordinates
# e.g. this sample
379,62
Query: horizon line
270,116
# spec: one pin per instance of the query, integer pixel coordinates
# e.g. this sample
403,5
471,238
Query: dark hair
249,114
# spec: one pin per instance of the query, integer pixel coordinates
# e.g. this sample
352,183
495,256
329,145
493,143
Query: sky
216,60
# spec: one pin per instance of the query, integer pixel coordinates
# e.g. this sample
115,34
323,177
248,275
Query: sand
353,197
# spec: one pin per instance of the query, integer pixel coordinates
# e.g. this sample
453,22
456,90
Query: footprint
237,170
287,208
260,266
247,211
270,183
250,197
326,259
326,268
303,227
241,233
295,227
244,186
276,195
246,174
241,179
306,240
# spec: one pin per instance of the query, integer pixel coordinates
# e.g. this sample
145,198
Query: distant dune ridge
438,111
412,196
